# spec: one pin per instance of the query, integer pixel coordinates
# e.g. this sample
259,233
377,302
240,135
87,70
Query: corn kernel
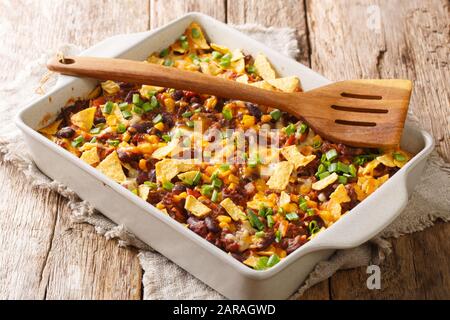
160,205
183,195
248,121
266,118
233,179
145,148
225,219
170,104
232,186
159,126
151,138
210,103
143,165
126,136
224,225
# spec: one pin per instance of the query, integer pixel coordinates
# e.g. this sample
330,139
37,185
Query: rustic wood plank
276,13
417,269
164,11
279,13
46,256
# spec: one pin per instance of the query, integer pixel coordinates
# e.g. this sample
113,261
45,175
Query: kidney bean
142,127
211,224
177,95
254,110
198,226
66,132
178,188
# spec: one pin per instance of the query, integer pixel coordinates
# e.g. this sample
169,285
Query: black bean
178,188
66,132
98,120
254,110
177,95
211,225
142,127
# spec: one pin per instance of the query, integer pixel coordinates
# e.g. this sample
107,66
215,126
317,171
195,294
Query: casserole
210,264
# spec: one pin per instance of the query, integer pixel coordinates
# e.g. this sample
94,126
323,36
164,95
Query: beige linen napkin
163,279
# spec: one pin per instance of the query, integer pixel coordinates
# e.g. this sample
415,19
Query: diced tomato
193,193
99,101
290,141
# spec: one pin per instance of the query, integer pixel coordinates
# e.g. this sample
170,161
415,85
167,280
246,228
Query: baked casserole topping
254,181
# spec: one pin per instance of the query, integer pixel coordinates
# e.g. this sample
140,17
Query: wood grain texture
276,13
46,256
339,50
163,11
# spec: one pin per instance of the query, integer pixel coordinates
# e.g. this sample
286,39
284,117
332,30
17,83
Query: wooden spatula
369,113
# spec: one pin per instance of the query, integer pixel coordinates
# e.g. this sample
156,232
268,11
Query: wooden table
44,256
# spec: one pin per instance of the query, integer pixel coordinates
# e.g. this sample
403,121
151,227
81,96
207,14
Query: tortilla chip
111,167
264,68
200,41
370,167
252,260
195,207
188,176
288,84
155,59
143,191
325,182
280,178
236,55
284,199
162,152
242,79
294,156
168,168
52,128
145,89
238,66
233,210
219,48
263,85
387,160
84,119
340,195
90,156
110,87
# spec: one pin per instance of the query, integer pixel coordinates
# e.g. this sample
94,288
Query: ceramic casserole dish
199,257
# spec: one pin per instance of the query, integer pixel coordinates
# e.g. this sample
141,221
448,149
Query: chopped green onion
313,227
269,211
342,167
316,144
136,99
310,212
278,236
168,63
361,159
216,55
195,33
187,114
138,110
157,119
225,63
324,175
290,129
113,142
190,124
183,37
225,167
93,140
95,130
168,185
197,178
251,69
331,154
270,221
332,167
78,141
302,204
273,260
166,137
206,190
215,196
198,110
275,114
260,234
151,184
261,264
321,169
216,183
164,52
292,216
121,128
108,107
227,114
342,179
185,45
303,127
254,220
146,107
126,114
262,211
399,157
123,106
352,170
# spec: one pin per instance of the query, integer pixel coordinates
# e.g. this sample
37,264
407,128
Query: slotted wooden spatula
369,113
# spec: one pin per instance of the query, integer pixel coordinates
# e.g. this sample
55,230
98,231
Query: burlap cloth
163,279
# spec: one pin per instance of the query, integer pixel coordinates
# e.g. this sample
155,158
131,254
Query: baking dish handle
373,215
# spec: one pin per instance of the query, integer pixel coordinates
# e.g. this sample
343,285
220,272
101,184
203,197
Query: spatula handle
146,73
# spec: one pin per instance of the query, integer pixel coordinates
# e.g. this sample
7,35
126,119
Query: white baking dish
196,255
